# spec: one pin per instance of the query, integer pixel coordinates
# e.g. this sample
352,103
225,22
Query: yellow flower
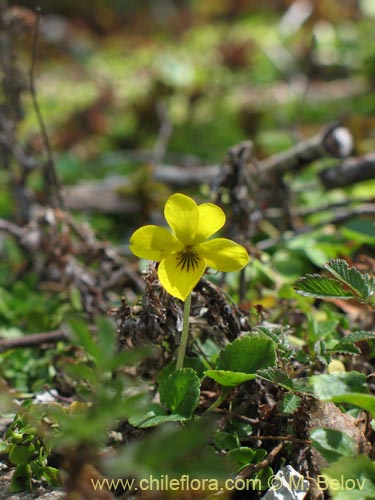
185,252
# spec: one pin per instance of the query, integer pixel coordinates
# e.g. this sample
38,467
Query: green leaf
289,263
362,284
263,477
4,447
321,287
365,401
241,457
281,378
336,384
247,355
228,378
21,479
241,359
226,440
290,403
179,391
342,348
320,329
347,388
277,376
21,454
82,372
75,298
154,415
352,338
360,230
332,443
51,475
106,342
350,478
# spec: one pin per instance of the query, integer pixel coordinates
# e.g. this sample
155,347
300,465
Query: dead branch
334,140
34,340
349,172
318,92
104,195
341,215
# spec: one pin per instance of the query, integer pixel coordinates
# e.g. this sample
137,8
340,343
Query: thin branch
275,213
349,172
53,186
34,340
334,140
340,216
288,439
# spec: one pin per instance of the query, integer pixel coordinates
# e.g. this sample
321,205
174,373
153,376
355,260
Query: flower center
188,259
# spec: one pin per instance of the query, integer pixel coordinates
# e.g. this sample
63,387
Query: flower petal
223,254
181,213
153,243
179,282
211,219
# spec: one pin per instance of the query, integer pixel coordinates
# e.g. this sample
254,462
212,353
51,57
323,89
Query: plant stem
184,335
218,402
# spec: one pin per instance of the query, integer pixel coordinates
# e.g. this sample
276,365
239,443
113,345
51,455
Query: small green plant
28,451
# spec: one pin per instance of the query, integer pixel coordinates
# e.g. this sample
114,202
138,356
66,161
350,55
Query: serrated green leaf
332,443
290,403
281,378
342,348
277,376
247,355
179,391
302,385
228,378
353,337
362,284
322,287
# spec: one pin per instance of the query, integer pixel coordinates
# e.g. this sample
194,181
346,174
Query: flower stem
184,335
